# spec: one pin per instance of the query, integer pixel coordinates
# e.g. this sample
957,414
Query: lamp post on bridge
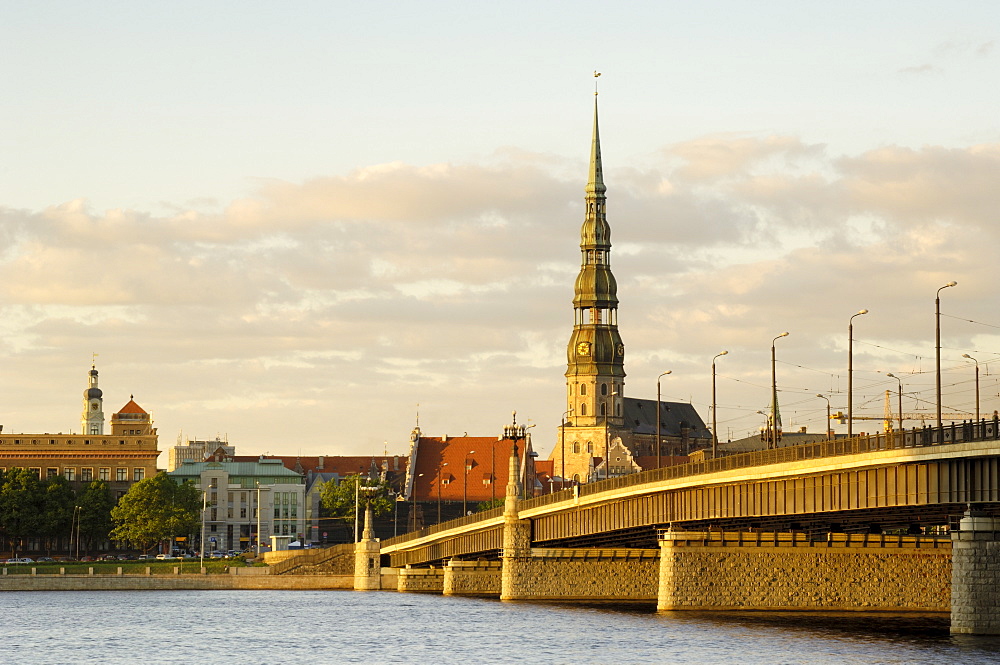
966,355
658,438
440,469
850,373
900,403
828,437
715,420
562,448
413,502
773,429
465,485
937,347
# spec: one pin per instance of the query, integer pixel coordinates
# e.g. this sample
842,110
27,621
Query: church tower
595,371
595,355
93,406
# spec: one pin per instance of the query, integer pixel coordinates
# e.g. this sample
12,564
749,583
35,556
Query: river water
249,627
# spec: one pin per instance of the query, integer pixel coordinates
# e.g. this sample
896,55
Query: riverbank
57,582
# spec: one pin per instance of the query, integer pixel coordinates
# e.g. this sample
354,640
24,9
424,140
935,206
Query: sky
298,225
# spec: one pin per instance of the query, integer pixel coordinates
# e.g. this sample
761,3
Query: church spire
595,370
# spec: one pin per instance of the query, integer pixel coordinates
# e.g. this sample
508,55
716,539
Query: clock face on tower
621,349
583,349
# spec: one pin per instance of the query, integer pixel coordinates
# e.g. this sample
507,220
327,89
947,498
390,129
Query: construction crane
889,416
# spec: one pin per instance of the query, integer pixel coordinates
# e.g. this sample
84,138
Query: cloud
314,316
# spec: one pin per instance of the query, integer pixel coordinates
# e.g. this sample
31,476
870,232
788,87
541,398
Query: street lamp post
715,420
850,373
966,355
774,396
562,449
828,437
900,403
465,484
440,469
413,502
607,435
937,347
658,437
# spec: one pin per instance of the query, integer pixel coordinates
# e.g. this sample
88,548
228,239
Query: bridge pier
975,576
367,569
472,578
786,571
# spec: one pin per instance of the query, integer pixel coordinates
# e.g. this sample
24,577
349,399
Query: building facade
127,455
197,451
246,502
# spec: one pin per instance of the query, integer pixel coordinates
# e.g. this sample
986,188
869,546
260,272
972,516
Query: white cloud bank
313,317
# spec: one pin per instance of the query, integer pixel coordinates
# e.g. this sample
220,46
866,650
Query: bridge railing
917,437
445,526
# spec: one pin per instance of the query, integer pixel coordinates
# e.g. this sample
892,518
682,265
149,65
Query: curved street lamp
773,443
715,421
900,382
562,448
966,355
828,433
658,438
937,346
850,373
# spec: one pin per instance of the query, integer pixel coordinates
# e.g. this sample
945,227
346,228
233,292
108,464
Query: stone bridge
894,522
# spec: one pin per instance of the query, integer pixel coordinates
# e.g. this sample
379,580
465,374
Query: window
70,473
604,408
576,446
583,409
121,474
583,388
604,389
36,470
86,474
446,481
590,446
138,474
95,429
51,472
104,473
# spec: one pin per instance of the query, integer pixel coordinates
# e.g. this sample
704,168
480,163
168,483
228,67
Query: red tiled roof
463,473
132,407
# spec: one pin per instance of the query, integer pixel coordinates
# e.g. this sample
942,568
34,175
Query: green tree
154,510
56,515
21,497
337,499
489,505
95,504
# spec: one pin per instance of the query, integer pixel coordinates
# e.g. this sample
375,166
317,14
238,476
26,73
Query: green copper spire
595,353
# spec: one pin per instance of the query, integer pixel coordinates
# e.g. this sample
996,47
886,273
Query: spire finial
93,361
597,75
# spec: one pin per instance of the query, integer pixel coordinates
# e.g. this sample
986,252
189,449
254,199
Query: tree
338,499
154,510
56,515
21,496
95,504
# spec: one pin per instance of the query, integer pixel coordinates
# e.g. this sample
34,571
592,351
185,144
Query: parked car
44,559
23,559
165,557
143,557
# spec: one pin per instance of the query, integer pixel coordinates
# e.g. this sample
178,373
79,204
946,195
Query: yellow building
121,458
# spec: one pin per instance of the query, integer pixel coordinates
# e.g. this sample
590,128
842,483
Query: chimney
319,463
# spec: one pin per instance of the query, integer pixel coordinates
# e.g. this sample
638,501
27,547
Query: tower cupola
92,419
